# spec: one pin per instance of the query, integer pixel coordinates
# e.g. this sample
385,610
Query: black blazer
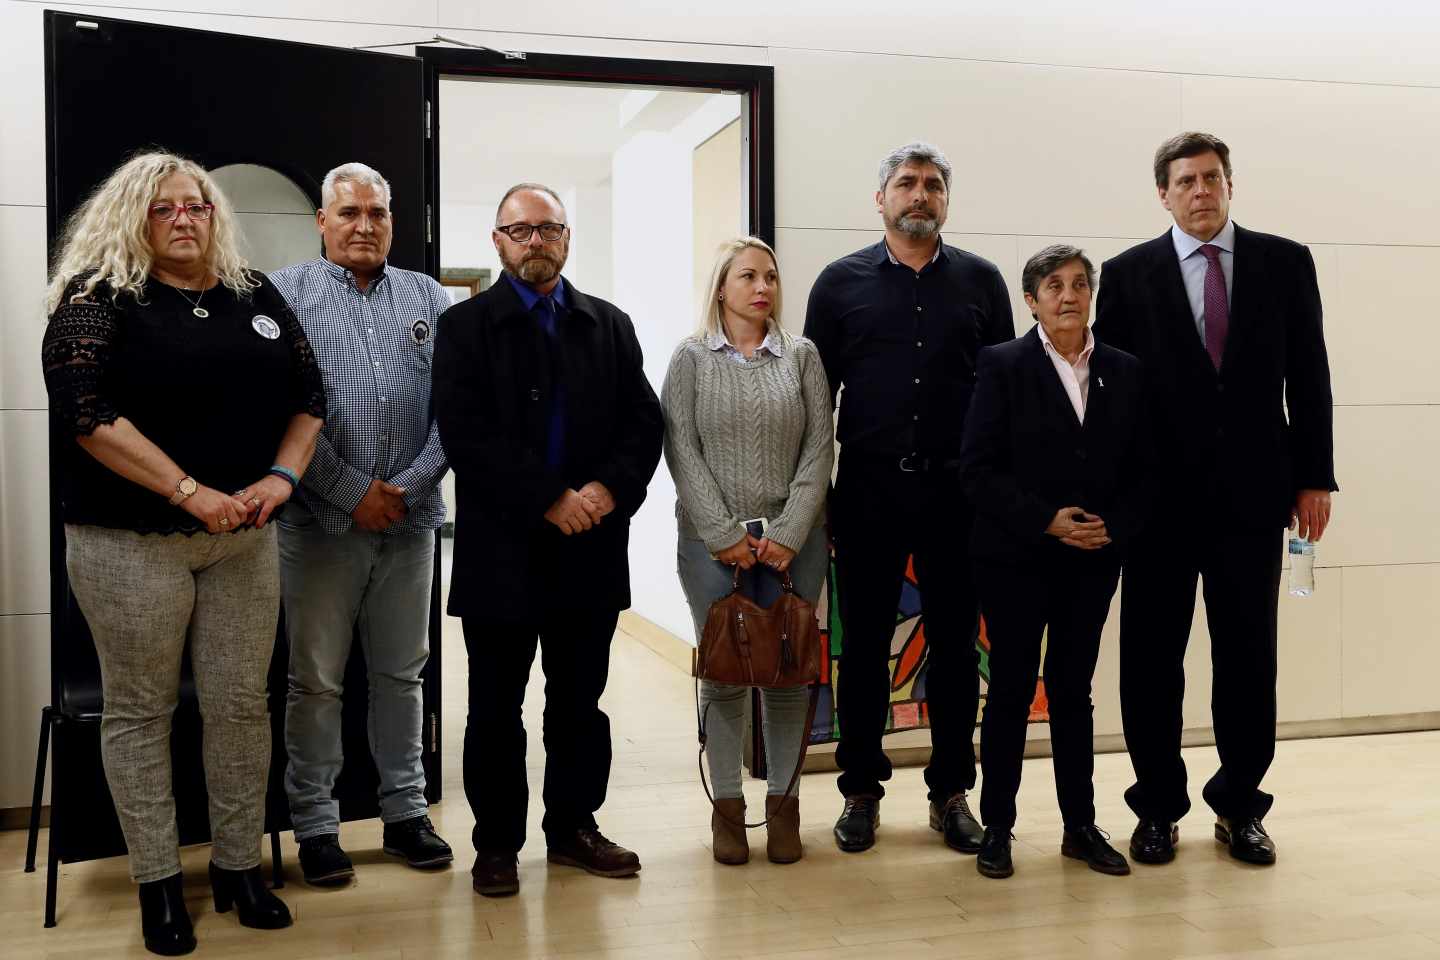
1223,443
1025,453
493,379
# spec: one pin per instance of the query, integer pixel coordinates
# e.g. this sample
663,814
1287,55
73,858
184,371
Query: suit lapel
1043,369
1173,303
1248,271
1097,405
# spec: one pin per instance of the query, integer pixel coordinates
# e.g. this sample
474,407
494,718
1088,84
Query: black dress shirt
903,346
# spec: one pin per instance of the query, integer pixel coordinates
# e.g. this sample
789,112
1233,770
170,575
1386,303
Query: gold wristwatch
184,490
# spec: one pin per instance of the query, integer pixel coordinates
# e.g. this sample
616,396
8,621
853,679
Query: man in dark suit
1053,460
553,433
1227,323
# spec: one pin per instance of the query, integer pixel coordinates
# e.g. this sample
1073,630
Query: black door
113,87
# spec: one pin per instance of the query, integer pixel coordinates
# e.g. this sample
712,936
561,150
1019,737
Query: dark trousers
575,655
880,516
1241,580
1071,595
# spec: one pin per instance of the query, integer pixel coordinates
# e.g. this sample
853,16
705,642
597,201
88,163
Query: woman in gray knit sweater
749,437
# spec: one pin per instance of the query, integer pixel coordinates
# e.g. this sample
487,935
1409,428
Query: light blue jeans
335,587
706,580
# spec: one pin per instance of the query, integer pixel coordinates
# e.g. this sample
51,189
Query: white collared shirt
1193,266
1075,379
771,344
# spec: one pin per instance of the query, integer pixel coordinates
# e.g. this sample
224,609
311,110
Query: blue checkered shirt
375,350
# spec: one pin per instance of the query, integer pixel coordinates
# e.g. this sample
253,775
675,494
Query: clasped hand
1086,533
578,510
382,507
748,551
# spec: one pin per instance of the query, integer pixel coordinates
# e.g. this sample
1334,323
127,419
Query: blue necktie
555,434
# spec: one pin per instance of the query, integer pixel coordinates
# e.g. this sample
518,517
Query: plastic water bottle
1302,567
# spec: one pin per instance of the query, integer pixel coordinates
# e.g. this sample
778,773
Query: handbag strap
799,761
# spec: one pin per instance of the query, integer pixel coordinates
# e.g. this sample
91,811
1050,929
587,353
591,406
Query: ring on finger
224,521
255,501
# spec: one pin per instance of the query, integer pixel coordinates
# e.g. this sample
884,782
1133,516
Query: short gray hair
538,188
1050,259
352,172
917,152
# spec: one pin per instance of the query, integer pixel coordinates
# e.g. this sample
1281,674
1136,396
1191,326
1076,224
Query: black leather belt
913,463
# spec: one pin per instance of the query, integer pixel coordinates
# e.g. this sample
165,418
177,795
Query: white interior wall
1051,113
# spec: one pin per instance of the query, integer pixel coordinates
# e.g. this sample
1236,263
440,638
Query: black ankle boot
164,919
246,891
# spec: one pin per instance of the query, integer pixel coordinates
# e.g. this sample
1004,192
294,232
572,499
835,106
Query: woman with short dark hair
1052,458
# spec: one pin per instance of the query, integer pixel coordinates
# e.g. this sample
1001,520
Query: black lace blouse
215,393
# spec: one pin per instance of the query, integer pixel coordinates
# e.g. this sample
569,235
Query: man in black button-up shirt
899,325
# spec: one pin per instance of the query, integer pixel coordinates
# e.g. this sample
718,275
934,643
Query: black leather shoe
954,819
1089,844
590,850
855,830
994,857
324,863
245,890
1246,839
164,919
1154,841
495,875
416,840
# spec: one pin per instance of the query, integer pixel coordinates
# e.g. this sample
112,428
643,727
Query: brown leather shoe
727,830
588,849
783,841
495,875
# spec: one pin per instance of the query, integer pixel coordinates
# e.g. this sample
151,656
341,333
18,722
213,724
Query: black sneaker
416,840
324,863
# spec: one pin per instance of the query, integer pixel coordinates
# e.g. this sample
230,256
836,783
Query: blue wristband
287,474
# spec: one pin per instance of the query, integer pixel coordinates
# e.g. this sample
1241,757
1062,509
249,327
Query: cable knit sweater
747,440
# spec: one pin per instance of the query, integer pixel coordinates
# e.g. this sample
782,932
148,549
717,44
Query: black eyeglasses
521,232
166,212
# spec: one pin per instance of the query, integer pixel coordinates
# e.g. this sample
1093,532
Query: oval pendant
201,312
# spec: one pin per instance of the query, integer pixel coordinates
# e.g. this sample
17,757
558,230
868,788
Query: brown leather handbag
773,647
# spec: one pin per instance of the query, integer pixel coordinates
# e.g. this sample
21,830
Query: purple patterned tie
1217,305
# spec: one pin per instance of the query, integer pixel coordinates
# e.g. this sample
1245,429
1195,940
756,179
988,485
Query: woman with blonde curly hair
749,442
194,401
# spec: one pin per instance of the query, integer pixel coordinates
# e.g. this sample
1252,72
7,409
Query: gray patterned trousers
143,596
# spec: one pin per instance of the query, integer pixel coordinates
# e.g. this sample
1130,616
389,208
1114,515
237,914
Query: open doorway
653,180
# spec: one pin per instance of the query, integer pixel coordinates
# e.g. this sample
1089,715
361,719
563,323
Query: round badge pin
420,331
266,327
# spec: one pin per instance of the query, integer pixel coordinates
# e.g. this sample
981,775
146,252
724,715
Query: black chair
83,822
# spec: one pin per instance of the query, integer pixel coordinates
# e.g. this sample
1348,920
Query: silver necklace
195,307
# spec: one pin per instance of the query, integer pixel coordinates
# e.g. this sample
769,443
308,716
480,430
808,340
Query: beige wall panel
1331,41
1386,461
1311,665
1356,188
417,13
22,313
1391,628
804,253
24,690
24,513
1029,154
22,106
1377,329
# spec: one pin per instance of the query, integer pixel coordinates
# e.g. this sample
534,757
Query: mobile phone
757,527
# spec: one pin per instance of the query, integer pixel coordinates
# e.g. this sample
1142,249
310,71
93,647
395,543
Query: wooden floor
1356,824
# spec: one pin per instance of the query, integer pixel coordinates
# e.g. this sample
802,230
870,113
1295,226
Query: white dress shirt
1193,266
1075,379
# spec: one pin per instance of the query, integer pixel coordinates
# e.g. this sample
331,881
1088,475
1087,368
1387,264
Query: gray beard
537,270
918,227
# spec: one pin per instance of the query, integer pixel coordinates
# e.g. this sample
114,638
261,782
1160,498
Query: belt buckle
905,465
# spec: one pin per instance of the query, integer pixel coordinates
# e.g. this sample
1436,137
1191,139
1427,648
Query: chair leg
277,875
52,863
40,758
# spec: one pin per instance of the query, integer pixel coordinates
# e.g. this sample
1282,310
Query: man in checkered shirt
357,541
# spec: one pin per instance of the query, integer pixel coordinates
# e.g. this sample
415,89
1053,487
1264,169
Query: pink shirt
1076,379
